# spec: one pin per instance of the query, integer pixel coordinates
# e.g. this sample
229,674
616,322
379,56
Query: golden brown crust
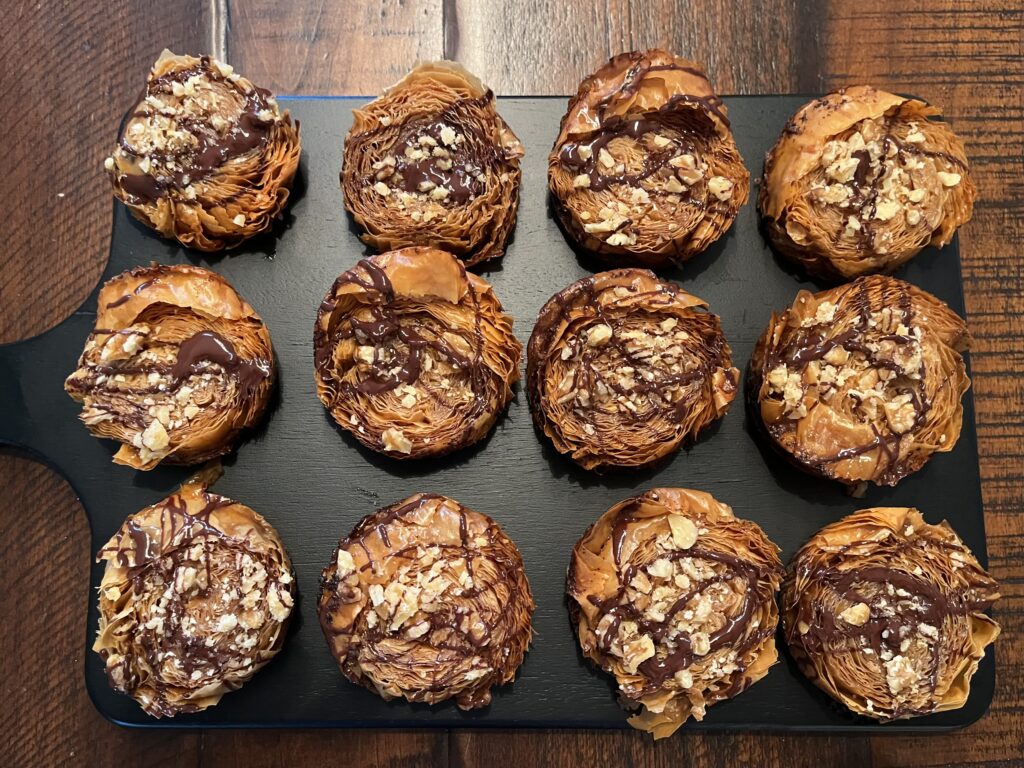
432,163
861,180
205,158
195,599
675,596
414,355
623,367
645,169
177,366
884,612
862,382
427,600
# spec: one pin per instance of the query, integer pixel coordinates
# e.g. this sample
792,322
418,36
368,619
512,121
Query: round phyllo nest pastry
623,367
431,162
645,169
205,157
195,600
861,180
414,355
884,612
675,596
862,382
427,600
176,367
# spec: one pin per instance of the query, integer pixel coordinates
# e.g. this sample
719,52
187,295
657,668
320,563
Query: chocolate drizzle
210,347
462,170
209,148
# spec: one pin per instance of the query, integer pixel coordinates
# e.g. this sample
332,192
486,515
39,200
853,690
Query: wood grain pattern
965,55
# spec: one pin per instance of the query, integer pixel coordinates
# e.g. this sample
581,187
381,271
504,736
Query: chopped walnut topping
857,614
155,437
395,440
599,335
684,531
720,187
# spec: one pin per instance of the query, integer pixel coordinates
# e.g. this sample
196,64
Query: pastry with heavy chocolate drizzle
861,383
205,157
178,364
884,612
675,596
645,169
861,180
432,163
414,355
427,600
623,367
195,600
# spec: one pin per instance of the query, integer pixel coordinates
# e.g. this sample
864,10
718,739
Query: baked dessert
431,163
195,599
205,157
884,613
675,596
178,364
623,367
861,383
645,170
427,600
861,180
414,355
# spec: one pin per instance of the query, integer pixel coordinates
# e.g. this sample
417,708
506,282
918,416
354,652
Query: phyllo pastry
432,163
176,367
195,600
623,367
675,596
414,355
205,157
645,170
885,613
861,383
861,180
427,600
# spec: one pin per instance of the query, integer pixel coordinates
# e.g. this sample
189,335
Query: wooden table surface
70,70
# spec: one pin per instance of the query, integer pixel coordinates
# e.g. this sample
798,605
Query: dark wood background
68,71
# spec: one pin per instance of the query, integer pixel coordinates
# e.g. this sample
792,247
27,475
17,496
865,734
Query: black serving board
314,482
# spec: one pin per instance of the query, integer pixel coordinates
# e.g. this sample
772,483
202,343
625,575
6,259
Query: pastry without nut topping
194,600
427,600
432,163
414,355
645,169
675,596
861,180
861,383
884,612
623,367
206,157
178,364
